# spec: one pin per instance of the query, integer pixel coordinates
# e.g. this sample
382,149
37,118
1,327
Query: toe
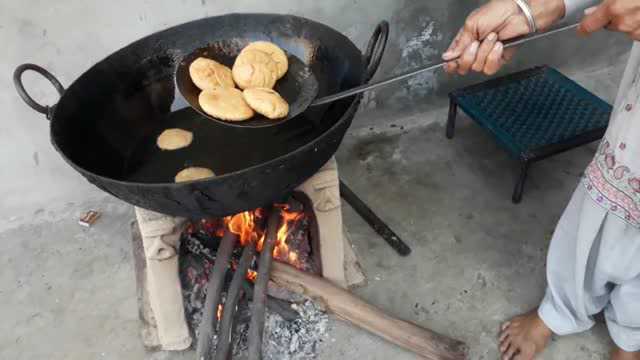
504,347
524,355
503,336
510,353
505,344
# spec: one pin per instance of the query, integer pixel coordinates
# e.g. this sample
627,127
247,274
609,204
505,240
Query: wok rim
173,185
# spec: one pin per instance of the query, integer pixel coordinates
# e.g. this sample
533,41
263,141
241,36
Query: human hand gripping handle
479,44
615,15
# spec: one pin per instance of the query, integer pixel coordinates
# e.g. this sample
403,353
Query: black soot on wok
107,122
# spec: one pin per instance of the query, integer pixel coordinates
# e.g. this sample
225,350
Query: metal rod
371,86
214,289
374,221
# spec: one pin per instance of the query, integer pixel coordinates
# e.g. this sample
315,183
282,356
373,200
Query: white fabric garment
594,258
593,265
613,178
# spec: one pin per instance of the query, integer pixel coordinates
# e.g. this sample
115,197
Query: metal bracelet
528,13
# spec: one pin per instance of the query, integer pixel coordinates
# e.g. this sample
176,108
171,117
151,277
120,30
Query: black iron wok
106,123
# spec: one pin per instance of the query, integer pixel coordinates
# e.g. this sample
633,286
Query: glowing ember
219,312
252,275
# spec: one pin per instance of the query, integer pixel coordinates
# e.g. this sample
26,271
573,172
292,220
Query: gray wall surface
68,36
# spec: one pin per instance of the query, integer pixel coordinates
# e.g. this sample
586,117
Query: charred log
234,294
214,289
275,305
256,329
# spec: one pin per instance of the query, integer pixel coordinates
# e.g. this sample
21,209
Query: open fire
294,245
275,310
245,226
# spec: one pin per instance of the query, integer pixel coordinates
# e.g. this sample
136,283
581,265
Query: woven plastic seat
533,114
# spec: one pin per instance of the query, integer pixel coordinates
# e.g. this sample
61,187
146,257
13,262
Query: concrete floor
478,259
69,293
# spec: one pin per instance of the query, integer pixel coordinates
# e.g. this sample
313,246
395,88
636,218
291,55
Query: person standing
594,257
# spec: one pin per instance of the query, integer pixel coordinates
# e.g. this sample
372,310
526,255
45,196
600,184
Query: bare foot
523,337
619,354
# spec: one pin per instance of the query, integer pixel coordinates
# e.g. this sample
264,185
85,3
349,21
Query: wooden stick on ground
214,289
225,336
423,342
256,329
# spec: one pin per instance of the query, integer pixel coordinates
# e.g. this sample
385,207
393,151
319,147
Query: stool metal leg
519,189
451,121
374,221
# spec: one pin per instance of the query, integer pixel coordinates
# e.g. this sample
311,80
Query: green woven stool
533,114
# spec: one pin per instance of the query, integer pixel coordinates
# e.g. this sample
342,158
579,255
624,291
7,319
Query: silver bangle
526,10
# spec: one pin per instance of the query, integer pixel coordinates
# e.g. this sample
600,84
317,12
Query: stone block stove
211,280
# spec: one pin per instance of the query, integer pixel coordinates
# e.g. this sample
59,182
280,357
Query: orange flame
261,243
281,250
244,225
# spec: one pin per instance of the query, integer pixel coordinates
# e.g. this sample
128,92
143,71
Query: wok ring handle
375,49
17,81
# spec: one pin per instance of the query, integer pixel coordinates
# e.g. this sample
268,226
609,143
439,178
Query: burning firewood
234,294
256,329
275,305
284,238
214,288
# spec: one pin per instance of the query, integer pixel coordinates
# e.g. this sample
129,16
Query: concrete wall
68,36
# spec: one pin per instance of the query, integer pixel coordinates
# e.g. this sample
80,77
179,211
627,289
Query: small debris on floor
89,218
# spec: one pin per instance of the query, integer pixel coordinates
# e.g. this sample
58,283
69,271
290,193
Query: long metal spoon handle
377,84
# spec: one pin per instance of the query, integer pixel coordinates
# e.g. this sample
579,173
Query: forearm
548,12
